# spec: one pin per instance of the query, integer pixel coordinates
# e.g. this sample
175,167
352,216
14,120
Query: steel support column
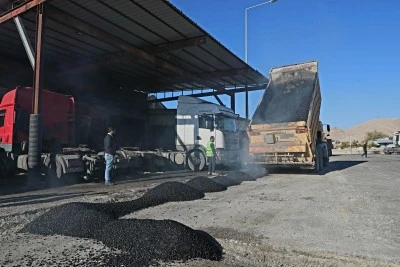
233,102
35,129
247,102
38,59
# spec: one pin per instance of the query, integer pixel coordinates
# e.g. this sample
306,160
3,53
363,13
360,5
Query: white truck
182,134
395,148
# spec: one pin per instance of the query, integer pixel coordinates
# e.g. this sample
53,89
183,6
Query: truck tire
326,162
196,160
318,159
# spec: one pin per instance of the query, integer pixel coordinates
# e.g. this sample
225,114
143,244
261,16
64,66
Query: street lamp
245,22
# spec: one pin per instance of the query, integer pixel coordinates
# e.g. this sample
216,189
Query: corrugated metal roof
139,24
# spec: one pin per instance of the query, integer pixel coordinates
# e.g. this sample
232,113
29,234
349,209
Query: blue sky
357,44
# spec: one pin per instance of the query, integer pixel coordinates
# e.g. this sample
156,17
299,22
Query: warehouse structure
122,50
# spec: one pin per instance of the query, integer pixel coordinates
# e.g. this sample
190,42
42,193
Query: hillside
358,132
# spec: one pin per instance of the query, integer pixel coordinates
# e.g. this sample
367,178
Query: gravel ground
348,217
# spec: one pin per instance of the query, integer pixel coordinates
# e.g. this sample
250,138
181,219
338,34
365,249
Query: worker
365,148
110,150
211,155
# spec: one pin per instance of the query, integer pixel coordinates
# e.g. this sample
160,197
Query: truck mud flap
69,163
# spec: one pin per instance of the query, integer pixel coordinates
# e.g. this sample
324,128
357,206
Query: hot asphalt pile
205,185
226,181
72,219
163,193
143,241
172,192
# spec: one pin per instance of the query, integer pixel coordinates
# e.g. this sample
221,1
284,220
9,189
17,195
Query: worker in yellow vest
211,155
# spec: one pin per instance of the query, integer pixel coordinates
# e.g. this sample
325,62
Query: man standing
109,149
365,148
211,154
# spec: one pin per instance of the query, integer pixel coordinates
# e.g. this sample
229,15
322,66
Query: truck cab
197,121
395,147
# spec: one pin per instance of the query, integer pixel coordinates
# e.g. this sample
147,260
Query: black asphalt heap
147,241
241,176
72,219
205,184
226,181
171,192
141,241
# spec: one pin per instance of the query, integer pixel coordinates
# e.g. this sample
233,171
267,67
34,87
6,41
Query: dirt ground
350,216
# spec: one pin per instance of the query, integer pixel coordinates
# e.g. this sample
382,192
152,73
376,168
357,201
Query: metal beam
19,10
80,25
201,78
25,40
176,45
38,61
219,100
247,102
228,92
233,102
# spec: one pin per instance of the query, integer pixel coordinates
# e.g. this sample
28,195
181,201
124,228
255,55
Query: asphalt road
349,216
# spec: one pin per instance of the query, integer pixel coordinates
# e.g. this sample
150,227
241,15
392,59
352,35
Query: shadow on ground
36,199
333,166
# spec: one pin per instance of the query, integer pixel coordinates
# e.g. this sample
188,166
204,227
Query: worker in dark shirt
365,149
110,150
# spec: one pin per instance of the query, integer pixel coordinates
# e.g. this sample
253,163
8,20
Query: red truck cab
15,108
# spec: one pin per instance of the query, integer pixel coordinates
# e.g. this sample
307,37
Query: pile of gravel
147,241
204,184
81,219
171,192
226,181
141,241
72,219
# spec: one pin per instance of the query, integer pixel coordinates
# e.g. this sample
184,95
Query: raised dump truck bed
285,128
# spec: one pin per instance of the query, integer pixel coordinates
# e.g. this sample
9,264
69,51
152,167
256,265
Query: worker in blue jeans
110,150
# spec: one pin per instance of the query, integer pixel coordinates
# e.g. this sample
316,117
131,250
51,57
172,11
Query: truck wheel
196,160
326,162
318,158
321,160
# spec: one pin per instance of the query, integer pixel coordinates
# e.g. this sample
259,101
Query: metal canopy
146,45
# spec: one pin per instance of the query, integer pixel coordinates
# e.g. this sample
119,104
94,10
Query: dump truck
182,134
285,130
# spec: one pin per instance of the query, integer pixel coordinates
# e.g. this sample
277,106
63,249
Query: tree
374,135
344,145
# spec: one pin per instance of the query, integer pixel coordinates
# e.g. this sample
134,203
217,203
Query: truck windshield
225,123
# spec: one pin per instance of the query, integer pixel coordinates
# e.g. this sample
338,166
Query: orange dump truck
285,130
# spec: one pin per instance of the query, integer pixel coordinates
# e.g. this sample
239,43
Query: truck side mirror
328,127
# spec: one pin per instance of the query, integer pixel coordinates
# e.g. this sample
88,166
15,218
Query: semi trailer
182,133
73,132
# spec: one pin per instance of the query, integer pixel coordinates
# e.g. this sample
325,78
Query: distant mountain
358,132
